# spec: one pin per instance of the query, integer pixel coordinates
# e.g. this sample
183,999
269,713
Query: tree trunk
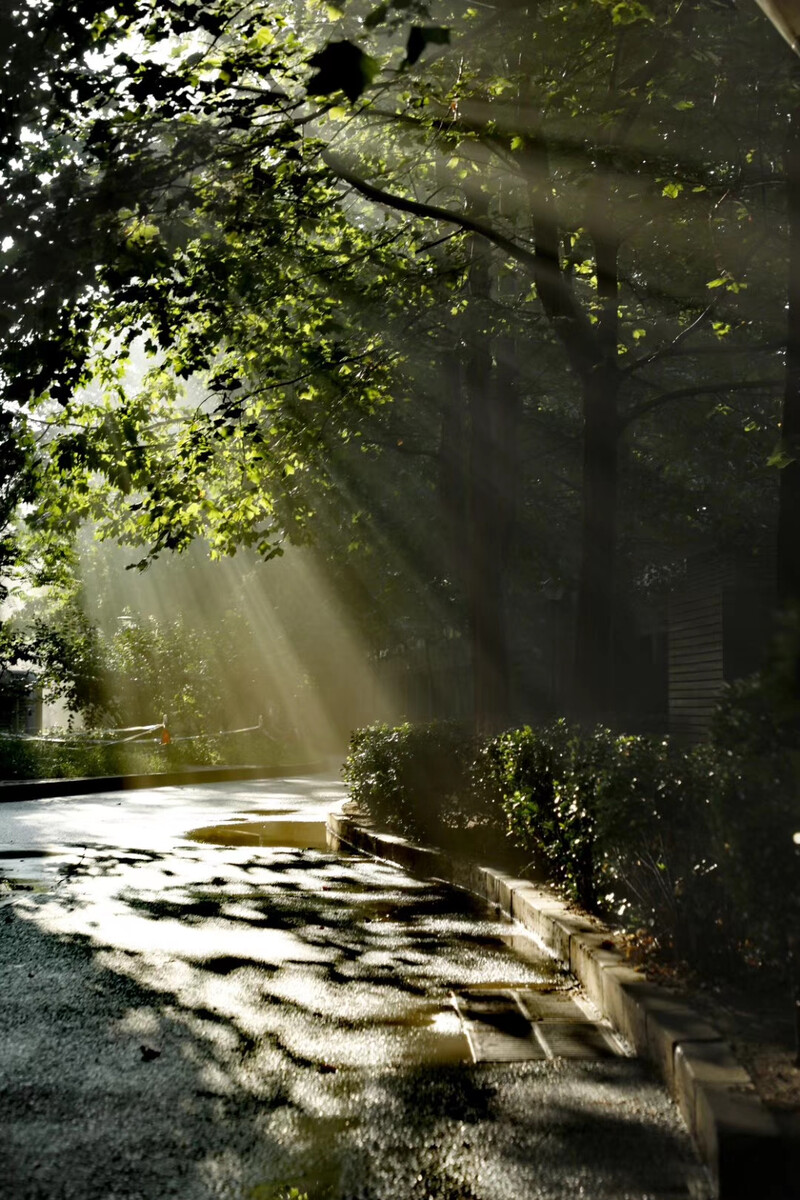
455,537
452,473
597,593
592,354
594,650
507,414
493,406
788,566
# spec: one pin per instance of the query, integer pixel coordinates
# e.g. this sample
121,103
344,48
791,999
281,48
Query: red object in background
165,738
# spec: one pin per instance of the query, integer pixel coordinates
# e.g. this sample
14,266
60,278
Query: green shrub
536,774
753,813
752,767
653,851
748,720
416,778
694,844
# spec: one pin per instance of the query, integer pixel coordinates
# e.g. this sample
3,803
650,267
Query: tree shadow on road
220,1026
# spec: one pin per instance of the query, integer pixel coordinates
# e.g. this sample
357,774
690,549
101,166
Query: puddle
293,835
374,911
498,1011
310,1157
520,944
268,812
430,1038
10,884
439,1042
421,1039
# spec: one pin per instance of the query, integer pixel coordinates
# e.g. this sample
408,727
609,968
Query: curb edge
12,791
735,1134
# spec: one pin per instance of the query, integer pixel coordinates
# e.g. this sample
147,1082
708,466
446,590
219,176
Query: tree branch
670,348
568,320
731,385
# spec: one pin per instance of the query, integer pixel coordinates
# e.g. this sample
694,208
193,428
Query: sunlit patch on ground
231,1018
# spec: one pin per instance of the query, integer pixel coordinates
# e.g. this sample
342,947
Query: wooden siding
696,650
719,624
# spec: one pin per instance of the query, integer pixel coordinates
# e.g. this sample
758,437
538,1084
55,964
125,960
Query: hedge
695,845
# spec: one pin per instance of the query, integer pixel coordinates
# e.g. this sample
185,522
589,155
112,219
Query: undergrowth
72,757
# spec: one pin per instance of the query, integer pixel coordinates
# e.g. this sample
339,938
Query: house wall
695,656
719,623
21,707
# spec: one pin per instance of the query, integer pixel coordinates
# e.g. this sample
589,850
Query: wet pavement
198,1000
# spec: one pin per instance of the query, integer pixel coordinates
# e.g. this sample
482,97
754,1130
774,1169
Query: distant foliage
692,844
58,760
70,654
154,667
54,759
145,668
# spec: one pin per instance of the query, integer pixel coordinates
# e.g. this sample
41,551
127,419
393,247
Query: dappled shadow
113,1123
295,1010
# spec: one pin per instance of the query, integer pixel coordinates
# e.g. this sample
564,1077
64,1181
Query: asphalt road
198,1000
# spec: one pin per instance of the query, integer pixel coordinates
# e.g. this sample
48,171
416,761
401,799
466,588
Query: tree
218,220
590,322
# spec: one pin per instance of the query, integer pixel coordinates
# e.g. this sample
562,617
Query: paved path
180,1017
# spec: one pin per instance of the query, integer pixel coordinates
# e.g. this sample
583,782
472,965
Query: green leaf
781,456
376,17
673,190
628,12
422,36
262,38
341,67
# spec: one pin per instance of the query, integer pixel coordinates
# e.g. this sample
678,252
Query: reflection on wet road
303,835
235,1011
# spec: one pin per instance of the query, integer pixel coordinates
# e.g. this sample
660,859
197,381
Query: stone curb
735,1134
48,789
